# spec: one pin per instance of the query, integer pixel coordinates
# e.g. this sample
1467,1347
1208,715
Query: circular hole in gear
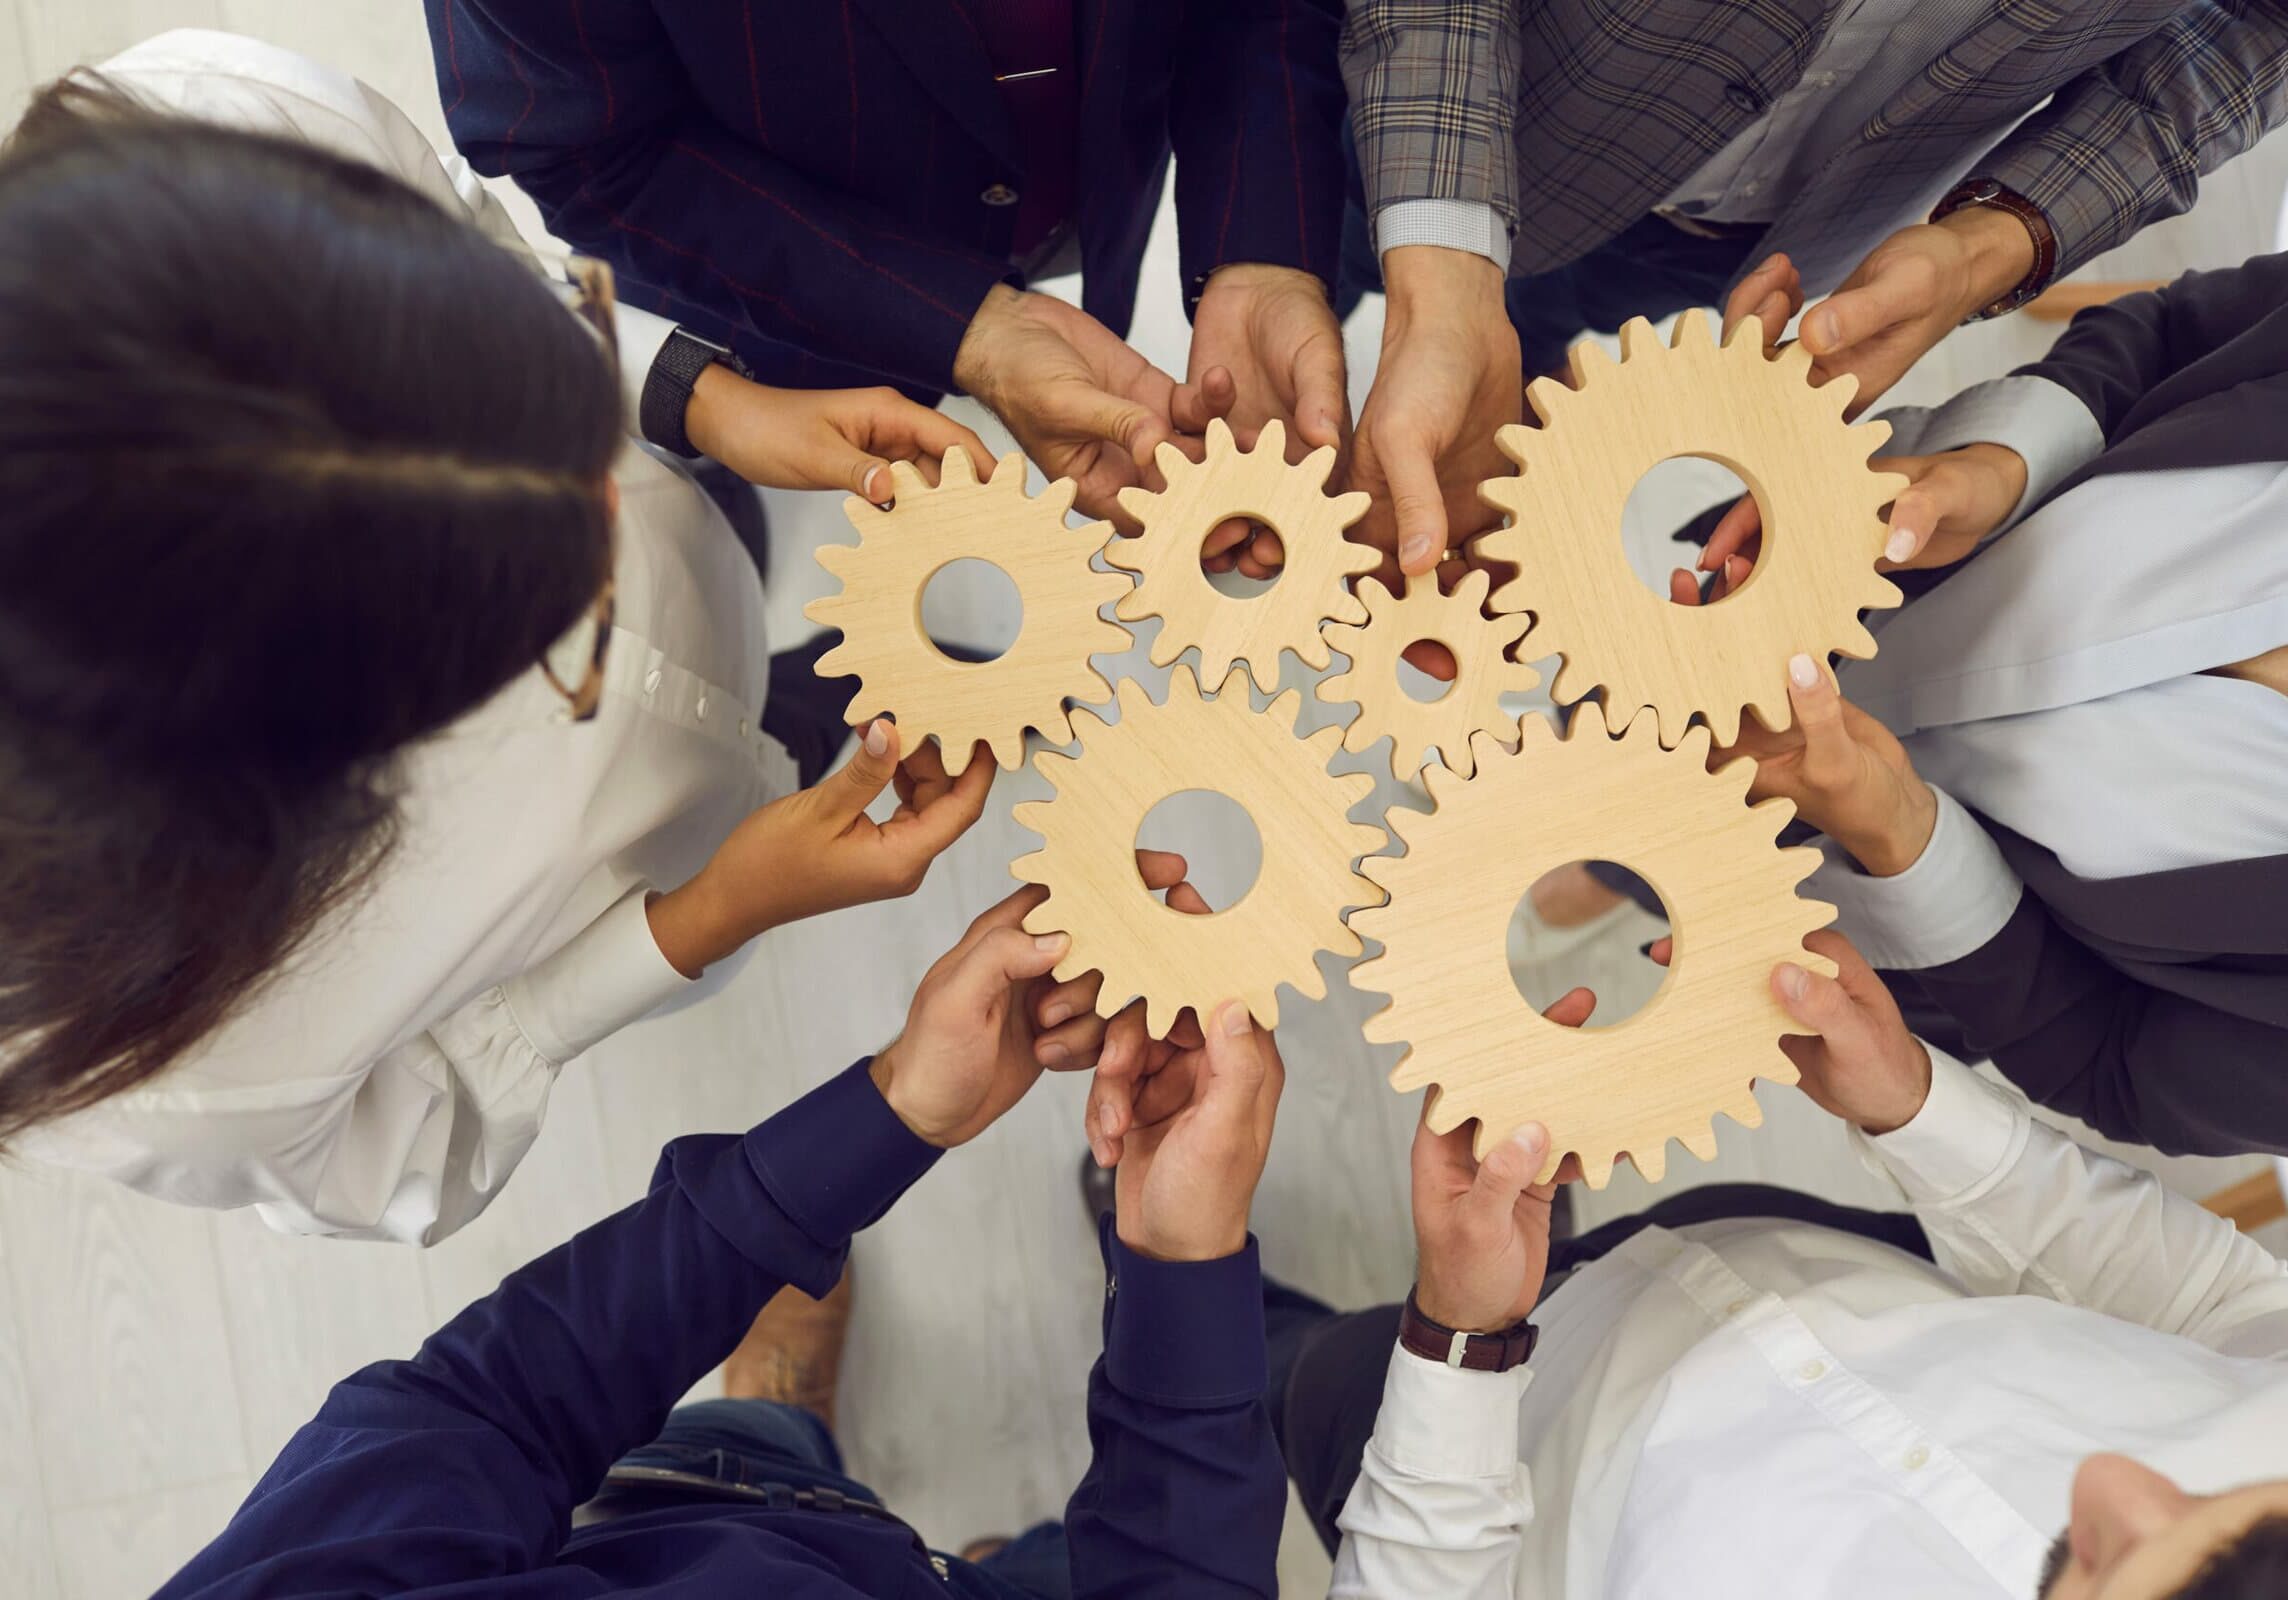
1419,685
1597,949
1235,584
1218,840
1679,492
971,611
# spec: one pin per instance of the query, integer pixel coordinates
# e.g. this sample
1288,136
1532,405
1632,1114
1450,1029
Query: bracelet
1989,192
1475,1352
668,387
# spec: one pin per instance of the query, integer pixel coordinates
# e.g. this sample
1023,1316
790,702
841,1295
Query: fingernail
877,738
873,493
1049,943
1822,324
1902,545
1531,1140
1793,980
1236,1021
1415,549
1055,1012
1054,1053
1803,671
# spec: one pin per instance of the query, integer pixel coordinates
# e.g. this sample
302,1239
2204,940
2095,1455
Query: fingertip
1233,1021
1802,671
874,482
1792,982
881,737
1823,330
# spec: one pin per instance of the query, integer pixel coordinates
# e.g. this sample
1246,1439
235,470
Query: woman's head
294,469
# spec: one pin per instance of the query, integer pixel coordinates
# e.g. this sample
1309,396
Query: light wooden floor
152,1360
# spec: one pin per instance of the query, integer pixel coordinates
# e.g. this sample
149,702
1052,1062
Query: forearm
1442,1501
2045,425
1185,1492
2013,1206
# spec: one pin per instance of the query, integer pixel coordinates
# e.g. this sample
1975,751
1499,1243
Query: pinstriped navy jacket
806,180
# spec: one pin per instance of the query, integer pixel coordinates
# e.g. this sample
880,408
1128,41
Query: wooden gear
1312,586
1788,442
1471,703
1713,1026
1273,933
879,610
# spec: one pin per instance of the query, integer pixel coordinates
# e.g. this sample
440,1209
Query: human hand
1450,377
1081,402
1848,776
1912,290
816,850
1952,505
1772,294
1861,1063
1265,346
820,438
1191,1161
1481,1228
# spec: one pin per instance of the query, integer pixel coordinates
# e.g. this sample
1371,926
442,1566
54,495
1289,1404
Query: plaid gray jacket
1573,118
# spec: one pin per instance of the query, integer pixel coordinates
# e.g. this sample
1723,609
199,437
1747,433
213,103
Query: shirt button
999,194
1812,1371
1917,1458
651,681
1744,97
701,708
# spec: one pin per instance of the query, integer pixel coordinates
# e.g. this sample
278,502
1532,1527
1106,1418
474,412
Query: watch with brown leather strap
1472,1352
1988,192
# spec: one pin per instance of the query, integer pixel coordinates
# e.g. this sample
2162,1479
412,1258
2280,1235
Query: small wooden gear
1272,935
1312,587
1471,703
1689,1054
1757,415
879,610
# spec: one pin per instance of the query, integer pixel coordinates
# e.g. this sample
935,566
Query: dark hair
295,468
2252,1567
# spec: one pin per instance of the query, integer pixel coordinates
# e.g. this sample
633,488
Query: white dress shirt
1757,1408
388,1079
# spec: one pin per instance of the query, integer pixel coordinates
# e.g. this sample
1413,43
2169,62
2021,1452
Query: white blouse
386,1081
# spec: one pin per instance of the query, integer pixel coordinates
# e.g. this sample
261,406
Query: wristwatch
1987,192
668,386
1473,1352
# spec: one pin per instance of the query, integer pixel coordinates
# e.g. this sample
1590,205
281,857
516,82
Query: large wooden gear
1312,586
1761,417
1471,703
879,610
1693,1050
1273,934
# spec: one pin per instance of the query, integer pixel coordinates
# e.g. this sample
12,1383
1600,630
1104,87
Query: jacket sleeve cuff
643,334
838,1158
609,974
1951,902
1187,1335
2051,430
1450,224
1967,1135
1439,1421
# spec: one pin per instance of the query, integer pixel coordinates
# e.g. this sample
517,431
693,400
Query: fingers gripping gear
1755,414
1311,587
1713,1026
1273,934
1472,702
879,610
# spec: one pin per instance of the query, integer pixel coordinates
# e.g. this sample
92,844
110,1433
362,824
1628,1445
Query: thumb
1235,1065
1921,507
1420,506
1828,757
848,793
1322,394
837,463
1005,956
1856,313
1818,1003
1509,1169
1135,428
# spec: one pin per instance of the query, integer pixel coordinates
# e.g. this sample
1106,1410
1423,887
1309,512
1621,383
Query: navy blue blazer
805,181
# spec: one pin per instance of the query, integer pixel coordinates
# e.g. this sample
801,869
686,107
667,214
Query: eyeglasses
589,293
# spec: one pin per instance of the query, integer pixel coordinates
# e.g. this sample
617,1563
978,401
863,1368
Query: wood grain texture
1472,703
1761,418
1271,937
1312,587
1690,1054
27,1553
879,610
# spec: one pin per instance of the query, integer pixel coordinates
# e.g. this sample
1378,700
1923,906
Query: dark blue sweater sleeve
464,1464
1185,1491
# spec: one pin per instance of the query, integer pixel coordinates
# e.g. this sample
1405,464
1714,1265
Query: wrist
1900,843
884,1071
1155,1245
2000,249
1428,278
693,926
973,361
1457,1312
718,393
1915,1088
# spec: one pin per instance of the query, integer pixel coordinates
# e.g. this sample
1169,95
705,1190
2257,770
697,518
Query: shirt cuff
1451,224
1967,1134
608,975
1951,902
2052,432
1184,1334
643,334
838,1158
1439,1421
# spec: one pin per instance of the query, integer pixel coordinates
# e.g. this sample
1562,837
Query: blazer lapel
935,40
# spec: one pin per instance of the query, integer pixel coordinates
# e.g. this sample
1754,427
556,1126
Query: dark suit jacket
2153,1007
806,181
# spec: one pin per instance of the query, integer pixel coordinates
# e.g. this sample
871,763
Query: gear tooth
835,558
1442,782
836,663
1724,724
1472,590
1514,439
1651,1163
1839,391
1596,1171
1334,690
1748,331
1587,358
1694,745
1057,498
955,470
1640,339
1773,811
955,755
906,480
1700,1141
1693,331
1547,397
1027,869
1857,643
1747,1110
1285,709
1886,595
1220,440
1874,433
1348,508
1270,439
1316,467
